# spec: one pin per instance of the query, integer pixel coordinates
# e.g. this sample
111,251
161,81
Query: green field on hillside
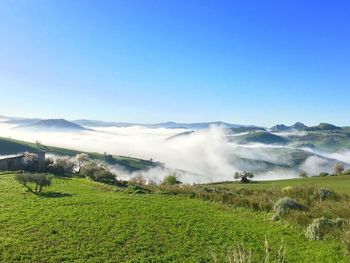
11,146
340,184
82,221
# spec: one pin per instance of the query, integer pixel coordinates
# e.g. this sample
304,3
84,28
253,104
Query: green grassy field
11,146
340,184
82,221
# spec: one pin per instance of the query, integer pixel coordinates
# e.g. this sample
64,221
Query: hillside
11,146
55,125
81,221
261,137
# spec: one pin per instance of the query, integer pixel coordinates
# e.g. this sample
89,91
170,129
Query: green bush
324,194
322,226
171,180
323,174
135,189
62,166
98,173
283,205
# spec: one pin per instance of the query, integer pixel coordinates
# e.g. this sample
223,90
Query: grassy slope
11,146
94,224
339,184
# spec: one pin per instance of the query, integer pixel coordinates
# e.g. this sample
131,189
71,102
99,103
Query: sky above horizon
247,62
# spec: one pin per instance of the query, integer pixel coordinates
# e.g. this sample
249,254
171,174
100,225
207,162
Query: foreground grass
81,221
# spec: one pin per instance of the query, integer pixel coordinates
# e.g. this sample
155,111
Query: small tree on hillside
243,176
338,168
302,174
39,181
81,159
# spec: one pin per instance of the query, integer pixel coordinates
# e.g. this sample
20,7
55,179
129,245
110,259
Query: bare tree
38,180
81,159
338,168
30,161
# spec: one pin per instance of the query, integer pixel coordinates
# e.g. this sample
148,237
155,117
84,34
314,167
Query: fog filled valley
199,153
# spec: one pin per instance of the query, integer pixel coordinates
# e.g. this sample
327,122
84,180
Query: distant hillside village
19,161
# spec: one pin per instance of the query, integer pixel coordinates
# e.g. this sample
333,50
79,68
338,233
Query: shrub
138,180
287,189
60,166
324,174
171,180
103,175
38,180
302,174
135,189
322,226
323,194
283,205
98,172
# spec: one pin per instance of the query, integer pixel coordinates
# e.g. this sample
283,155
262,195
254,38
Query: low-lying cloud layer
203,156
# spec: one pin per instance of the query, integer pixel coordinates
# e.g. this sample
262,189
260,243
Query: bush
103,175
324,174
98,173
323,194
38,180
322,226
171,180
60,166
283,205
302,174
135,189
138,180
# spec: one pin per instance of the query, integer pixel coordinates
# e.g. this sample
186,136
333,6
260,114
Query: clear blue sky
250,62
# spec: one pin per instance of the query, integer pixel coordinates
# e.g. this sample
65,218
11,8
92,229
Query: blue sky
250,62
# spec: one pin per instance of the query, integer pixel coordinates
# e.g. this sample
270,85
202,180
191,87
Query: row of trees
80,165
338,169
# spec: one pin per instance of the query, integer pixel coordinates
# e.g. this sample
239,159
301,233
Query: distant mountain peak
55,124
280,127
299,126
296,126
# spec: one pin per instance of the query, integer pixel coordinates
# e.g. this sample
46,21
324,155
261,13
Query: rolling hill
54,125
261,137
10,146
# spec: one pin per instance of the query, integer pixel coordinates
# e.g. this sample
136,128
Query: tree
244,176
338,168
61,166
302,174
38,180
81,159
109,158
30,161
138,180
98,172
